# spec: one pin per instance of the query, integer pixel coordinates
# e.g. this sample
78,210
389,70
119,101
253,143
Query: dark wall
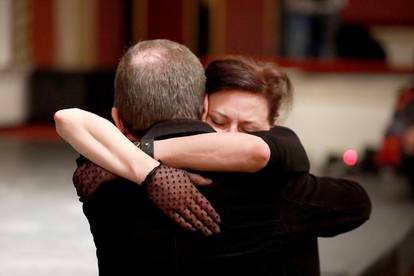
53,90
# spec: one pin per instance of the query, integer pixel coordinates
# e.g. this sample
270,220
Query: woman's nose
232,128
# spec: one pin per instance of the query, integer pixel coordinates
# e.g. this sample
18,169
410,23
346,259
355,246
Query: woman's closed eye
217,121
250,129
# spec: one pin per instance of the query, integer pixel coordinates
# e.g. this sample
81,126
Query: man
260,217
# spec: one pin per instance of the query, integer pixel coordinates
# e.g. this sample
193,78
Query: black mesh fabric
174,194
88,177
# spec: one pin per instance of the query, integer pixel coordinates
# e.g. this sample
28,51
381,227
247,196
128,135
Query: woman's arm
226,152
101,142
323,206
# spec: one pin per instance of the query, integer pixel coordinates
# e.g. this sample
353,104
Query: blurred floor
43,230
384,245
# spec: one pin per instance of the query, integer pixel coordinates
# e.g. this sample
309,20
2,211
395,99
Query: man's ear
205,108
117,120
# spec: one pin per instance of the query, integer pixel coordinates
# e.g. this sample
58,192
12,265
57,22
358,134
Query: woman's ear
117,120
275,120
205,108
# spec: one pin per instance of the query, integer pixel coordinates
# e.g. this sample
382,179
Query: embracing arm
323,206
287,154
316,206
214,152
101,142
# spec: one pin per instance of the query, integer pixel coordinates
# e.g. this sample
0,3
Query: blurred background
352,67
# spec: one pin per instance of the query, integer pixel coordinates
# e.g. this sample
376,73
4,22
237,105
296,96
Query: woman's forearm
101,142
214,152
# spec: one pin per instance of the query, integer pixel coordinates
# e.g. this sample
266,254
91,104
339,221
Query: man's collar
173,128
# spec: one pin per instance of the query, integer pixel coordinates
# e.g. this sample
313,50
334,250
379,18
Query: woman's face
237,111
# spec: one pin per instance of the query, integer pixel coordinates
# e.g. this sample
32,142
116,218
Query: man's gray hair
158,80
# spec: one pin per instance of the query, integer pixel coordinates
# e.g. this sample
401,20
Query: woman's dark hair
244,74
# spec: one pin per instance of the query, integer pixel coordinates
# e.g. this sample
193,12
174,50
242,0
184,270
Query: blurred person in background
310,27
272,211
397,150
356,42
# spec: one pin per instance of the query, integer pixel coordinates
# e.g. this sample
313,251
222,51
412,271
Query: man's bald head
158,80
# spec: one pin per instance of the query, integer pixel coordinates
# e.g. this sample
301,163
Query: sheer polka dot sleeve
173,193
88,177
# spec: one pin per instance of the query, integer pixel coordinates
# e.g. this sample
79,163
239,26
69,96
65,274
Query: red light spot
350,157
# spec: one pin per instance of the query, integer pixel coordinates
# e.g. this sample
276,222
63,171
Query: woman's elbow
366,207
260,153
362,203
361,210
64,120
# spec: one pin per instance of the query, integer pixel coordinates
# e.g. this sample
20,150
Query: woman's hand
173,192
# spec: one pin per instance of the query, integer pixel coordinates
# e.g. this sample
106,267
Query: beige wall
398,43
13,98
335,112
5,33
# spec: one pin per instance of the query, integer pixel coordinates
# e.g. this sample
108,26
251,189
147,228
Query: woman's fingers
191,218
198,179
205,205
181,221
204,217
